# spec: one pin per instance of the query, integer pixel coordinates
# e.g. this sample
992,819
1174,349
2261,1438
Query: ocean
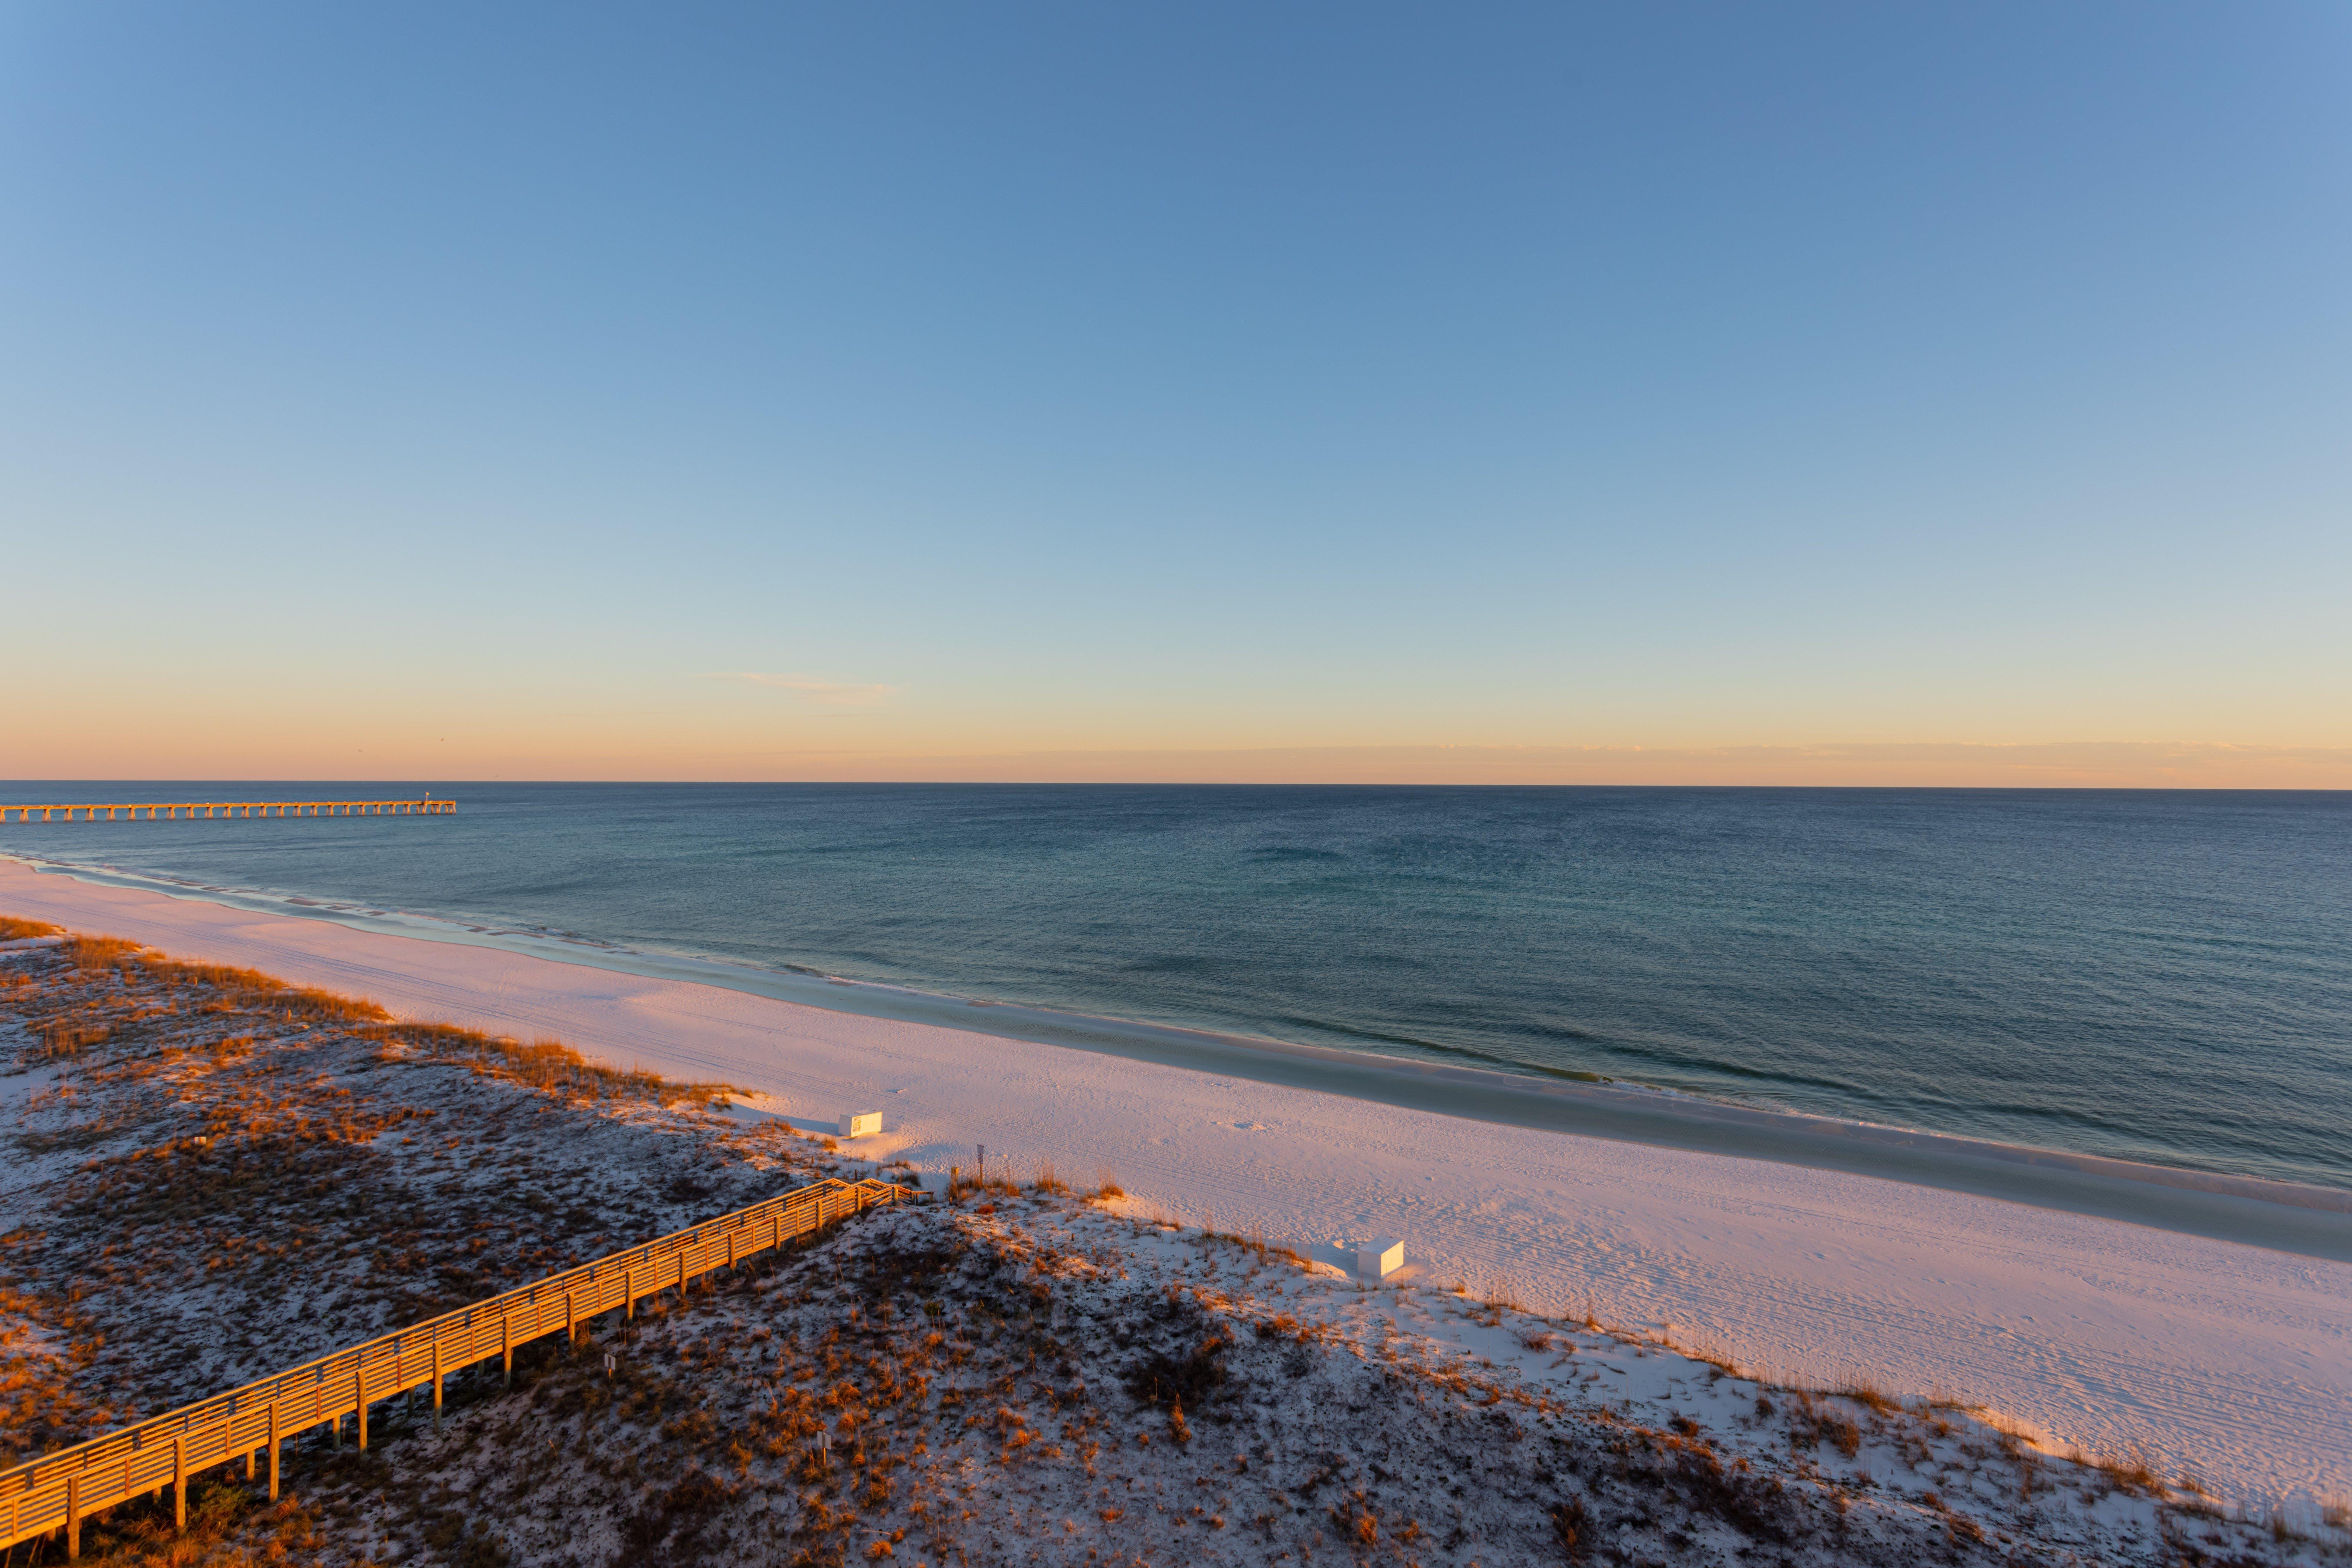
2151,976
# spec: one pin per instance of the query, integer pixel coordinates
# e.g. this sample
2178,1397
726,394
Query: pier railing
190,809
60,1490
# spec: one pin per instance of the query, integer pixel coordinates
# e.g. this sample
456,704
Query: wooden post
506,1346
681,1275
73,1516
437,1382
180,1482
731,1252
273,1450
359,1393
570,1324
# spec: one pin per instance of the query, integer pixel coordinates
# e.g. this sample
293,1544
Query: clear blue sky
504,386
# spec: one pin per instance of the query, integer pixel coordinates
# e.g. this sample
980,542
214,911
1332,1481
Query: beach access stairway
59,1491
173,809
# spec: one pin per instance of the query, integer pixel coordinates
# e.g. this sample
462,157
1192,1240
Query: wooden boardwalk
59,1491
169,810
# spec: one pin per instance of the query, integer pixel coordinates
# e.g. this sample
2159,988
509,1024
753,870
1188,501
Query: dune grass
546,1065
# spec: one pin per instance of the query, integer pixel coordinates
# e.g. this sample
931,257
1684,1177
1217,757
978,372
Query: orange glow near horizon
2083,765
807,730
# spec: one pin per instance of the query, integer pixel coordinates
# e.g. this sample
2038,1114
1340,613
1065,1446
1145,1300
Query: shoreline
2289,1216
530,1181
2231,1359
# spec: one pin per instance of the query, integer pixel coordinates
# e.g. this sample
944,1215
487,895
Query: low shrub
1168,1380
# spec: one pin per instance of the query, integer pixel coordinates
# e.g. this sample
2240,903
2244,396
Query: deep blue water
2161,976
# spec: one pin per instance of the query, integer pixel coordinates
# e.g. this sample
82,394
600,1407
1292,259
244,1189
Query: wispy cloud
832,693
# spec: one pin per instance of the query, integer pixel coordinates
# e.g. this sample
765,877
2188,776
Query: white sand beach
2205,1355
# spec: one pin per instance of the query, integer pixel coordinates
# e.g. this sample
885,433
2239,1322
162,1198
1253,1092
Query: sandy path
2231,1360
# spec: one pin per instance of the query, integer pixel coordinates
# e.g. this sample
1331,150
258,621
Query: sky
1729,393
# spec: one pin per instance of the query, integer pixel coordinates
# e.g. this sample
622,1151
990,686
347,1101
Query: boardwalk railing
61,1490
192,808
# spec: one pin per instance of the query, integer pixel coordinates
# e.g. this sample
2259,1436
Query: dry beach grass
212,1175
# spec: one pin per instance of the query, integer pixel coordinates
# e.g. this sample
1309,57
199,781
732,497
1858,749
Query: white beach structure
858,1123
1380,1258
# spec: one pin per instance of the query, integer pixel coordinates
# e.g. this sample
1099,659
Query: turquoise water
2157,976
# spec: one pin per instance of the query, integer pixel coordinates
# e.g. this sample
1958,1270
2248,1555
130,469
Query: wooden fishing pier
176,810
